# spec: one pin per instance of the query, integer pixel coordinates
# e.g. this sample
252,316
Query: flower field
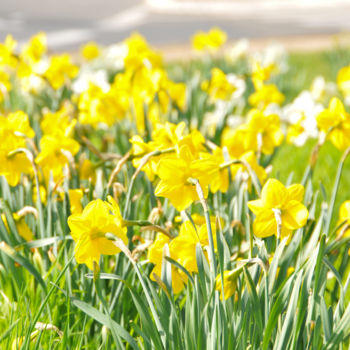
148,204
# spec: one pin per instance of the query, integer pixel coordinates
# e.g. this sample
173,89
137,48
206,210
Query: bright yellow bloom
14,130
32,52
265,95
88,230
174,174
155,256
58,123
183,247
75,197
140,54
277,201
265,131
5,85
343,80
336,122
261,74
97,106
211,41
230,283
7,57
87,170
344,216
208,169
60,70
23,229
53,157
90,51
219,86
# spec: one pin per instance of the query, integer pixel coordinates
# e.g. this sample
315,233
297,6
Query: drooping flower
277,200
88,230
335,122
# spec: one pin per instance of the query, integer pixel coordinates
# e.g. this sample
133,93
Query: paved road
69,23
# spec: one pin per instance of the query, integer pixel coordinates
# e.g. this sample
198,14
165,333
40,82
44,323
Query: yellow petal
294,215
295,192
273,194
256,206
265,224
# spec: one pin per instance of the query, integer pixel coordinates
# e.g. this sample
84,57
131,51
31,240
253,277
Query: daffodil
155,256
208,168
183,247
53,156
229,281
344,217
335,122
60,70
88,230
174,182
211,41
90,51
23,229
264,95
343,80
14,130
278,206
219,87
75,197
58,123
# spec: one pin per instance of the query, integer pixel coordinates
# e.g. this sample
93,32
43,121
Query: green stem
208,223
335,190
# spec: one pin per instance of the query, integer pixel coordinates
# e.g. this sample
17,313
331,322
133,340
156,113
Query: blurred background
69,23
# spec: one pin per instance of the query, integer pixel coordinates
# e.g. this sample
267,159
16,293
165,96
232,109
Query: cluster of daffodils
197,140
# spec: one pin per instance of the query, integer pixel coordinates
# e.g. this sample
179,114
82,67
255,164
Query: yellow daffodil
208,168
278,203
88,230
33,51
343,80
174,174
155,256
265,131
58,123
14,130
23,229
60,70
261,73
335,122
264,95
7,49
87,170
219,86
230,283
90,51
53,156
344,216
75,197
5,85
183,247
211,41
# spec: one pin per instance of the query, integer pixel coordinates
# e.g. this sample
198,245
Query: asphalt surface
69,23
